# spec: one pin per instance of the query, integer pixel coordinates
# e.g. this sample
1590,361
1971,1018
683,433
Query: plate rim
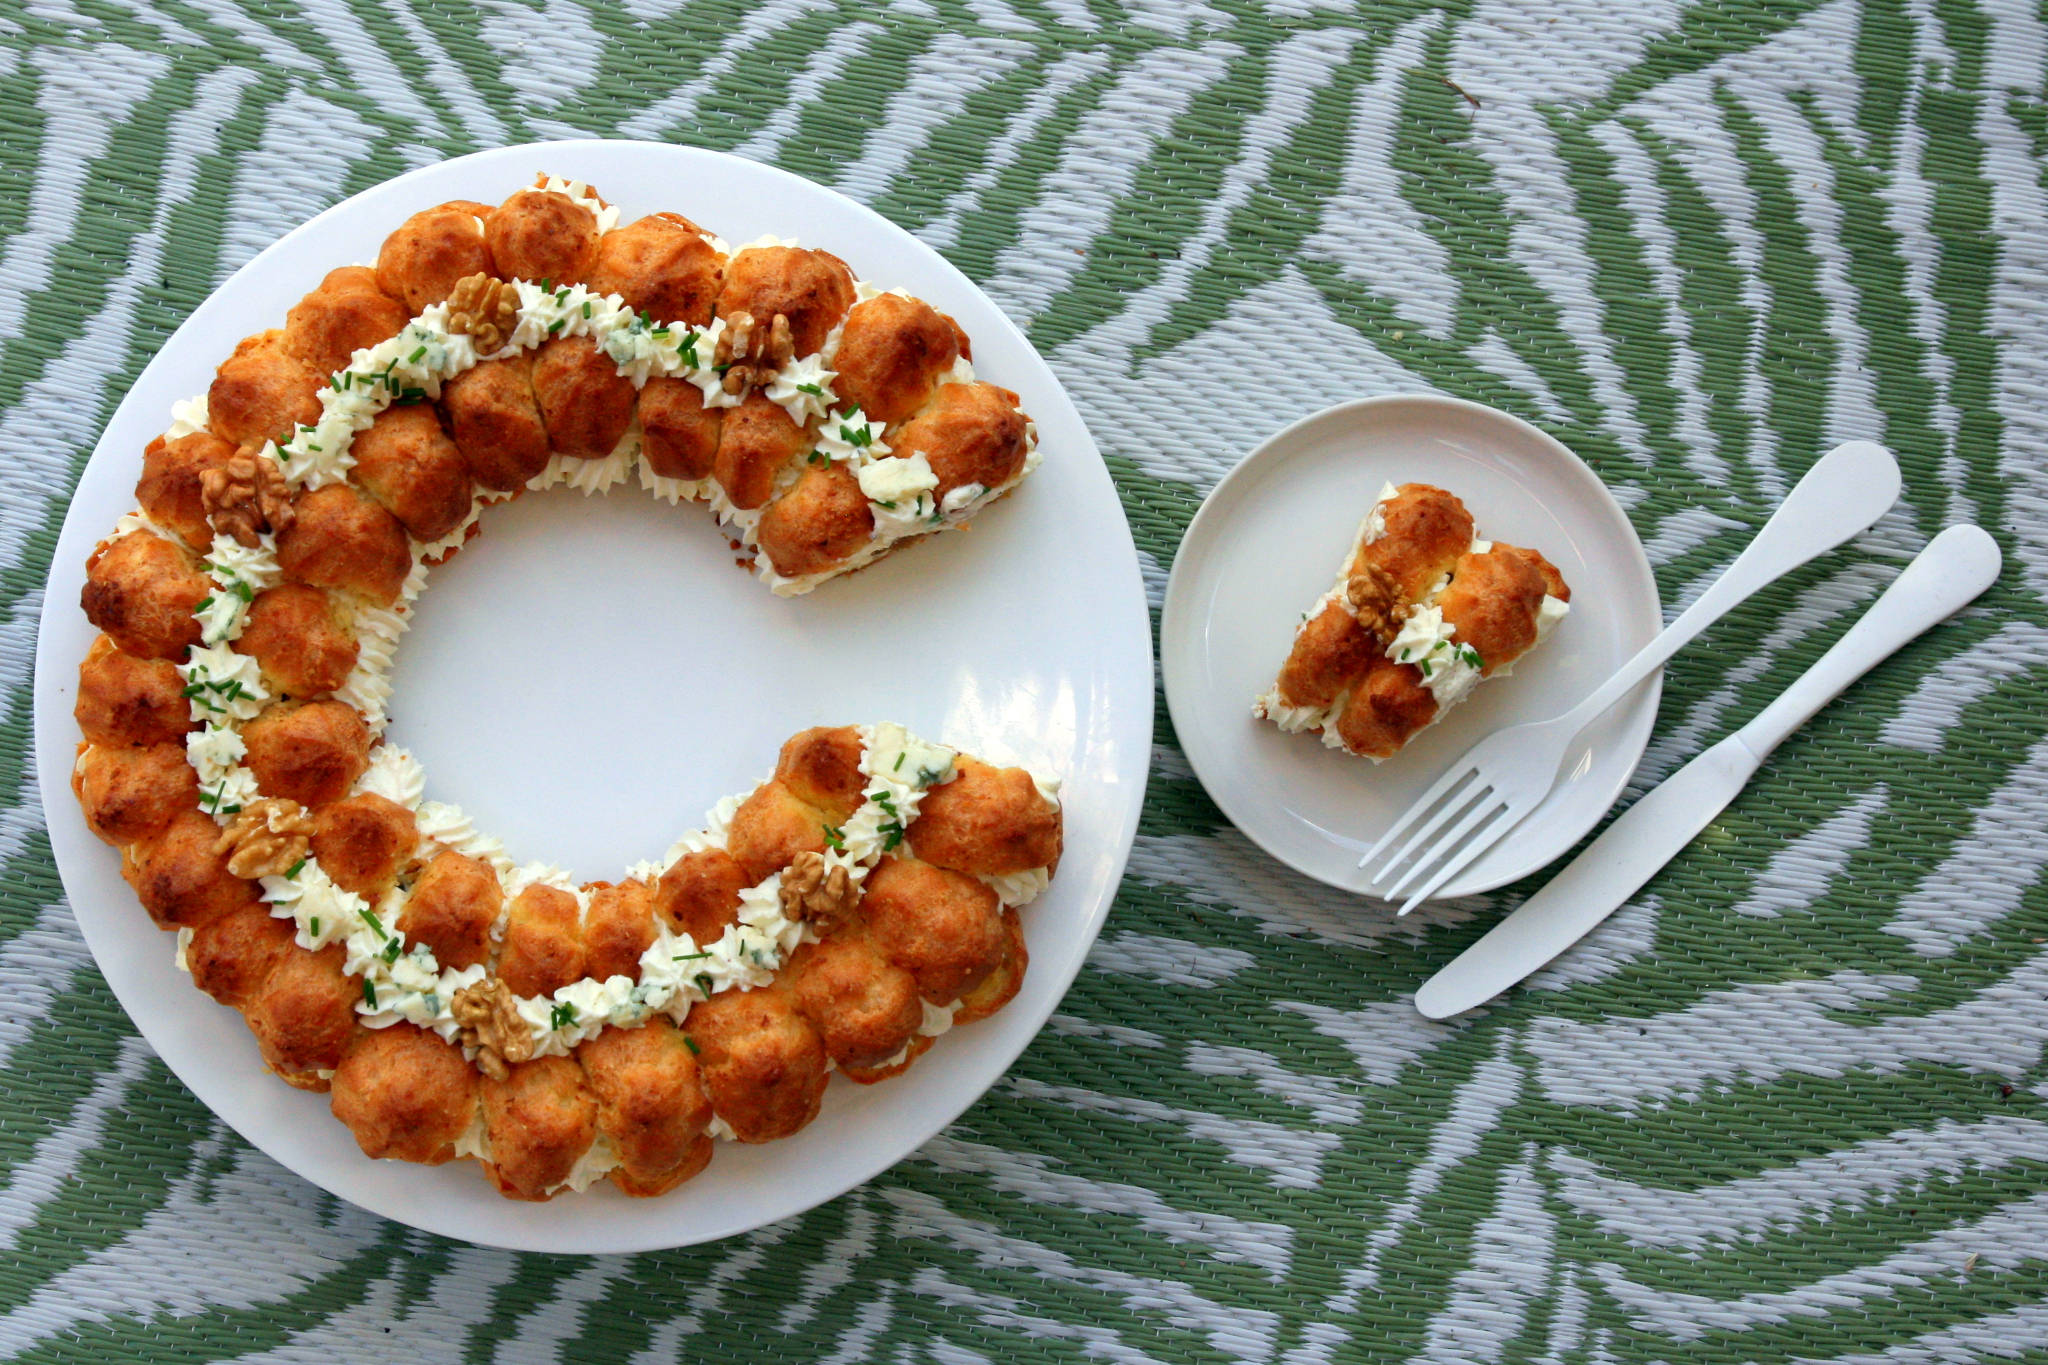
1132,770
1174,609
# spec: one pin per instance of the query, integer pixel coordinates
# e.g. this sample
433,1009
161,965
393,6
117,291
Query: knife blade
1952,570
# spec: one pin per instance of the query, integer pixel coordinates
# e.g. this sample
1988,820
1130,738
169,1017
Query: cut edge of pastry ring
405,983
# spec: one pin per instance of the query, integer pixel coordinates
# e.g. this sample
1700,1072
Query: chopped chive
314,927
688,957
557,325
369,993
691,1043
811,389
414,358
391,951
899,762
370,917
291,873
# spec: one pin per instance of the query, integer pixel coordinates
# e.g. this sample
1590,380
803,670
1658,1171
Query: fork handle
1846,490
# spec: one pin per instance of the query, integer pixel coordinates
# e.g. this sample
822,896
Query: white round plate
1267,543
588,677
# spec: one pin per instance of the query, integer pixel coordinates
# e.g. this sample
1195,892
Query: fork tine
1447,843
1416,809
1460,797
1470,849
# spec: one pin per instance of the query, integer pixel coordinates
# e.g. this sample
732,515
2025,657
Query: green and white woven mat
1787,1105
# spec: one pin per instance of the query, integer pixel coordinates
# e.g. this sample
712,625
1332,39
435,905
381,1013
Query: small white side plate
1266,544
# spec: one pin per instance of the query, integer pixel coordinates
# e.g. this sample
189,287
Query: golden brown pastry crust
540,1119
678,434
617,929
987,820
821,767
699,895
822,522
543,949
1001,985
771,827
404,1093
944,928
411,466
763,1064
453,905
299,638
585,402
1329,653
179,878
812,289
311,753
495,421
969,434
650,1103
421,261
123,700
756,440
363,842
233,954
142,589
542,235
262,392
346,314
1491,599
1427,530
304,1015
864,1007
1387,707
661,266
169,490
893,353
130,794
342,539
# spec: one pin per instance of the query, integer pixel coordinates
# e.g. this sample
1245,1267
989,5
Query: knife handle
1943,578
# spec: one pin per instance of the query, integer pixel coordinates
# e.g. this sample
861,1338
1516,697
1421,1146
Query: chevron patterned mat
1787,1105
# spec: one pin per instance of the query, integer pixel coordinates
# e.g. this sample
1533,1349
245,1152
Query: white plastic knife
1957,565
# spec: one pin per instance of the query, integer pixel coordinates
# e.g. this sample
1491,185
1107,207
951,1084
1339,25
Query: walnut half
487,309
752,355
489,1021
246,496
267,838
811,891
1375,601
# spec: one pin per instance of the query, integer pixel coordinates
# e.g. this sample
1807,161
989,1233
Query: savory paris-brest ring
1422,611
841,915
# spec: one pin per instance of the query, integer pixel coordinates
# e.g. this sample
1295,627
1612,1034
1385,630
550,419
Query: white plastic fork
1506,775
